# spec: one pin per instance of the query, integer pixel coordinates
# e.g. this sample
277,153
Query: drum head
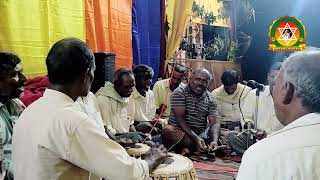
138,150
174,165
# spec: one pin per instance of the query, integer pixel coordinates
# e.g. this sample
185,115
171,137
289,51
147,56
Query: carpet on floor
225,168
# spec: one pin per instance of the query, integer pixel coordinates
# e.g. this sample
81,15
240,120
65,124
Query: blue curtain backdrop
146,34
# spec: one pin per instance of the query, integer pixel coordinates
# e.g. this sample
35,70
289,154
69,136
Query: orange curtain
108,28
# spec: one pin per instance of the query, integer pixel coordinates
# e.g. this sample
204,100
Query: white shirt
289,154
144,107
266,119
54,140
228,105
89,105
116,113
162,94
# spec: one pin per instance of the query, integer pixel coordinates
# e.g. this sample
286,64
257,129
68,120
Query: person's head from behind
230,80
71,65
199,81
273,72
296,90
11,78
124,82
177,75
143,75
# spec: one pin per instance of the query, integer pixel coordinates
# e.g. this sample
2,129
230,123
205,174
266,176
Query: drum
138,150
176,167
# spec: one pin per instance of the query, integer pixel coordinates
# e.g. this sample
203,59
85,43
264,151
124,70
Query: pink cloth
34,89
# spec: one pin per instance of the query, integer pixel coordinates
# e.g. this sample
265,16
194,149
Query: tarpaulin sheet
146,30
108,28
29,28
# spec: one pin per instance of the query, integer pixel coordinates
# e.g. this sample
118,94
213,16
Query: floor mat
216,169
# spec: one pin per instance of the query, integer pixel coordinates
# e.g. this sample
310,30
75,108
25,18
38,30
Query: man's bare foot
184,151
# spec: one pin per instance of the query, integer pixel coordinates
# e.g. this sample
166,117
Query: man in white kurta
117,117
163,90
54,139
258,112
89,105
293,152
230,96
61,134
142,99
143,106
113,100
228,104
162,94
266,122
266,117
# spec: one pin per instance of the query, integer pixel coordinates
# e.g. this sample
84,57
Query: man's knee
171,135
188,142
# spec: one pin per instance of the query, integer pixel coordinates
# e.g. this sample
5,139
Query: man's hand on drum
155,156
201,145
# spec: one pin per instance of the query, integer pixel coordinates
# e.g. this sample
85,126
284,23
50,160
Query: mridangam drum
176,167
139,150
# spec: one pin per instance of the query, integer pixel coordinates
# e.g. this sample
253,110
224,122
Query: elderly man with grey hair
193,121
293,152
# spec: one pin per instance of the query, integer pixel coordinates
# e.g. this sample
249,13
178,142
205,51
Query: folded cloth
34,89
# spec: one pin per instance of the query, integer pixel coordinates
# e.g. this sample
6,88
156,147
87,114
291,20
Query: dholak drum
138,150
176,167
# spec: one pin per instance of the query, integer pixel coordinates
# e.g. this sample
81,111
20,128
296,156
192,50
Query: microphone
255,84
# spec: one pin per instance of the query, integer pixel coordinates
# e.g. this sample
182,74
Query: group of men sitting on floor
70,133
